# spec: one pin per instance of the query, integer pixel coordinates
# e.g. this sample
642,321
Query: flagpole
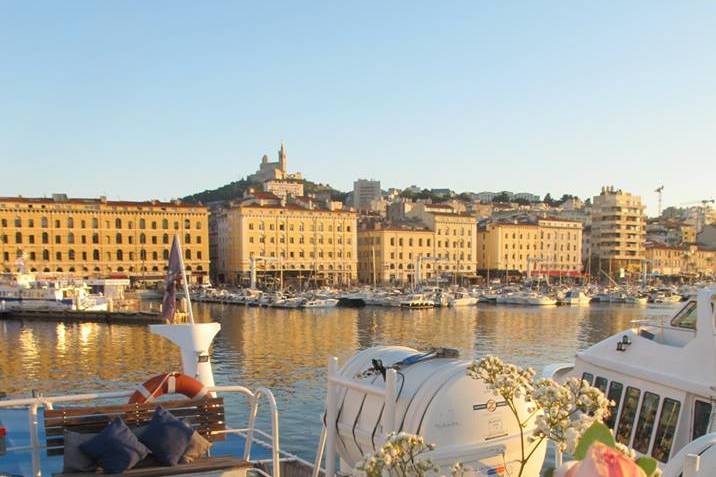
186,284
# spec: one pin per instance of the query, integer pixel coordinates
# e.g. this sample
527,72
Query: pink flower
602,461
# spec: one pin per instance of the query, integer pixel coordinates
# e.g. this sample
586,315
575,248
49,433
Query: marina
295,346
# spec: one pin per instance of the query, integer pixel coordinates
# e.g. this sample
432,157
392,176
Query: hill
235,190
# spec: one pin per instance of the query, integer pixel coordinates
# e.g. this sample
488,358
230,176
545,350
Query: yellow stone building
390,255
286,241
686,260
444,241
98,237
542,247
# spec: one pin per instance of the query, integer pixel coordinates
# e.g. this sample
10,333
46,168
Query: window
645,424
601,384
118,223
165,224
665,429
588,377
686,318
626,419
702,416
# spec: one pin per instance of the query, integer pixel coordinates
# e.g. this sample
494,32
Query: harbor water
287,350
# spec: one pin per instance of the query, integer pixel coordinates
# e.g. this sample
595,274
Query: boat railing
335,382
249,433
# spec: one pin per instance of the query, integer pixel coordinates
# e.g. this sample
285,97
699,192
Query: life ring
170,383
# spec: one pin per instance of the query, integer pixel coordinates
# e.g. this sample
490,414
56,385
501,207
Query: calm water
287,350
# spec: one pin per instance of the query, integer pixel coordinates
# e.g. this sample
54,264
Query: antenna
659,190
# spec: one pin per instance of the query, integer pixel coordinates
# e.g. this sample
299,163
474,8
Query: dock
107,317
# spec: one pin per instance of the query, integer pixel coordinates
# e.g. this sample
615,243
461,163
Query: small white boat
462,299
575,296
24,292
320,303
417,300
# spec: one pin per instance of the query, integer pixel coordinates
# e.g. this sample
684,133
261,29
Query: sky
138,100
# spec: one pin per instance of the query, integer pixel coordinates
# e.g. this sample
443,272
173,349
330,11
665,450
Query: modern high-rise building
618,233
365,191
98,237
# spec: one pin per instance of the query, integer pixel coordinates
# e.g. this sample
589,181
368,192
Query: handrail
34,403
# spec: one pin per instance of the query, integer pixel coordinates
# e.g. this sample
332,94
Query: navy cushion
166,437
115,449
74,459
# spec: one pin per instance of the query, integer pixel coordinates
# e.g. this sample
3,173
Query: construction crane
659,190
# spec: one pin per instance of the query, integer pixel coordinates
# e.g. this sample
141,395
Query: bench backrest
206,416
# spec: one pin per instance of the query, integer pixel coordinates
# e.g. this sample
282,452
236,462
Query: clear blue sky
140,100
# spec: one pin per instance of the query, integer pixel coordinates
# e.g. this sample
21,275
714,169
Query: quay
68,316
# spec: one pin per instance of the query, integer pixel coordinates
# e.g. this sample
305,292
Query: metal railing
250,432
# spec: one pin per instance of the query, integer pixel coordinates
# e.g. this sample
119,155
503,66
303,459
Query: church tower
282,158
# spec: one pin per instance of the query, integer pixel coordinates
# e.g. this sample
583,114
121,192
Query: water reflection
287,350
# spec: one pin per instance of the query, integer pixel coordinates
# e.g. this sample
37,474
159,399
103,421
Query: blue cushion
115,449
167,437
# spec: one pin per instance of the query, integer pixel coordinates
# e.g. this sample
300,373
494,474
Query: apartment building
99,237
618,232
538,247
288,241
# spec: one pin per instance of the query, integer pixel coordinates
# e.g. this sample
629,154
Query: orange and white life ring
171,383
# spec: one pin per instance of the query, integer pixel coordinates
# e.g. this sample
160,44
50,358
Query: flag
174,274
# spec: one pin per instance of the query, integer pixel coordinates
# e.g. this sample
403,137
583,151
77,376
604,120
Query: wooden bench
205,416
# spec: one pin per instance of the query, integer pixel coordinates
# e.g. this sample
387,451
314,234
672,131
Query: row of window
638,429
570,236
304,266
410,266
70,222
561,246
300,227
118,255
560,258
301,254
312,240
45,238
120,268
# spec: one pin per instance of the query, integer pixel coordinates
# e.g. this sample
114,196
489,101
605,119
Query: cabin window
645,424
601,384
626,418
686,318
666,429
588,377
702,416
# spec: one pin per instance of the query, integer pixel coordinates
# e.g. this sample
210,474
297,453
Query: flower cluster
509,381
567,410
402,455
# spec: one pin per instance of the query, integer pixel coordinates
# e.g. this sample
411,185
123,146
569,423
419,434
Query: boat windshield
686,318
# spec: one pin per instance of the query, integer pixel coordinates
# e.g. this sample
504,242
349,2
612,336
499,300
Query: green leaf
597,432
648,465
